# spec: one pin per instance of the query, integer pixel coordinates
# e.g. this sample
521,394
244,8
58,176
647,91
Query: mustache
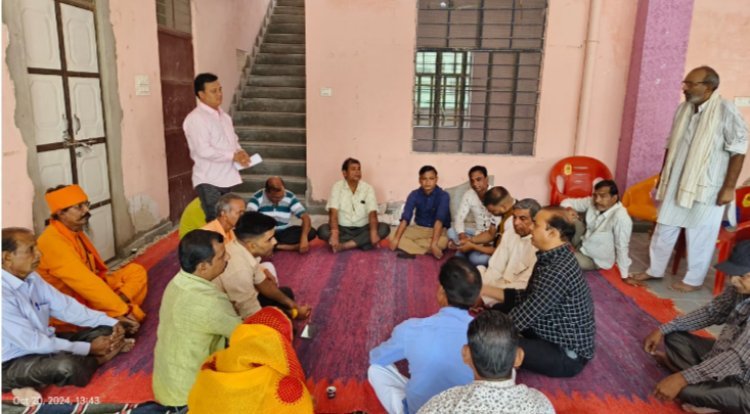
86,216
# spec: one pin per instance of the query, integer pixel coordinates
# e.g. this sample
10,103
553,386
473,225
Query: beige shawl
693,182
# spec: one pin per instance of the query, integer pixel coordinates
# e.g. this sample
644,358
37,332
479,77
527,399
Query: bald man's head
275,189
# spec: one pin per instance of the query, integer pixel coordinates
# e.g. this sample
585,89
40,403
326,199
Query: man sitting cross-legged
710,375
33,355
278,202
249,283
195,318
555,314
510,267
431,207
71,263
431,345
606,239
352,213
472,203
479,247
492,352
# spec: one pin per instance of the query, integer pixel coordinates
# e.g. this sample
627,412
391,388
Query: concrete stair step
273,105
288,10
286,28
278,92
251,118
286,81
281,167
288,18
276,59
285,38
272,134
290,3
278,69
269,47
276,150
254,182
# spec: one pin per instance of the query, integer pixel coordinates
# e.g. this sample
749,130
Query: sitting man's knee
324,232
383,230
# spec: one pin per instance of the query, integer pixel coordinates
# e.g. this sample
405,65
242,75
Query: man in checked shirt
710,376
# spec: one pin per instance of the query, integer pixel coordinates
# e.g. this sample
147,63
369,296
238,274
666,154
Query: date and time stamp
59,400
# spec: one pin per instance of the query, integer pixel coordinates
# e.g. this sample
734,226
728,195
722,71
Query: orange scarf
258,373
83,246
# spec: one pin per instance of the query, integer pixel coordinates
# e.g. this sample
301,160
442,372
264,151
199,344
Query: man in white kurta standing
704,158
214,146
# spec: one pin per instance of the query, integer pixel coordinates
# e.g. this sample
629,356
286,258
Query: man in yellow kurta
71,263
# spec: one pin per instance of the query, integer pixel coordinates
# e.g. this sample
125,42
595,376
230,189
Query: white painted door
67,109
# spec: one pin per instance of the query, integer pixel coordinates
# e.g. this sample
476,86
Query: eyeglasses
86,204
690,84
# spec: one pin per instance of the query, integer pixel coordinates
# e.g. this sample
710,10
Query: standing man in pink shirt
214,146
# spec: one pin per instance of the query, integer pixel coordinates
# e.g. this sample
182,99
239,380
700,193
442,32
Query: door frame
123,228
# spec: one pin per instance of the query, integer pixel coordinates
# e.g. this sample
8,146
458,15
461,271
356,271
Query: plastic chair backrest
638,201
743,204
574,177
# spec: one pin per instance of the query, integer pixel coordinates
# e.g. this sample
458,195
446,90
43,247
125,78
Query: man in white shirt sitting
472,203
606,240
492,352
33,356
510,266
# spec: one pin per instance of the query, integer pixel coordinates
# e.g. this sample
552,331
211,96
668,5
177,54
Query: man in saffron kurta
71,263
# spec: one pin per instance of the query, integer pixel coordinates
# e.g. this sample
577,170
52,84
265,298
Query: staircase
269,116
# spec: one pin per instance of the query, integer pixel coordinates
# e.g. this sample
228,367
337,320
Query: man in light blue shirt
431,345
33,357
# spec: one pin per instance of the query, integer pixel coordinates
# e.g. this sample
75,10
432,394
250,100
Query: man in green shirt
195,318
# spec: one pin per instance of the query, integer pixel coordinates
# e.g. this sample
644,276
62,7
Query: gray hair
225,202
528,204
712,77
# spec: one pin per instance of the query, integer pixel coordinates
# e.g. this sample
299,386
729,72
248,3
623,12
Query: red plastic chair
578,174
742,232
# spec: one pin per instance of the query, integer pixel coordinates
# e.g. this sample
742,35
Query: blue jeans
475,258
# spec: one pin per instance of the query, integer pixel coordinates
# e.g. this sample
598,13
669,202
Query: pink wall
719,38
18,192
364,51
142,128
219,30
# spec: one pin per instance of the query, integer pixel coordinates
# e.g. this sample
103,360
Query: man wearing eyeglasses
71,263
704,158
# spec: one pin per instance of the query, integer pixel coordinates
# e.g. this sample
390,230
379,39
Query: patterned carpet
357,299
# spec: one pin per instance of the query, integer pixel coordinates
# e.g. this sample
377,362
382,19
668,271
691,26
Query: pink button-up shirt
213,142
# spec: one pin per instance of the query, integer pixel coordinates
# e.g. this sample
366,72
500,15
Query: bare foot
632,282
128,346
26,396
641,277
699,410
681,286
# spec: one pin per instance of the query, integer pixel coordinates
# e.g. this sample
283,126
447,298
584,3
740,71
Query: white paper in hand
255,159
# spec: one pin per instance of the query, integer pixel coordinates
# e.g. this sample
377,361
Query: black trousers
292,234
265,301
40,370
209,196
728,396
547,358
509,302
360,235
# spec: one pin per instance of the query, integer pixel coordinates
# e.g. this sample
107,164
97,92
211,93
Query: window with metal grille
476,79
174,15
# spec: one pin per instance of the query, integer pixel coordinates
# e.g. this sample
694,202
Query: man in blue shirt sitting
33,356
432,218
431,345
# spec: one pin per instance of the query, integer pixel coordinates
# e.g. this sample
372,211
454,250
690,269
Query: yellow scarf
258,373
